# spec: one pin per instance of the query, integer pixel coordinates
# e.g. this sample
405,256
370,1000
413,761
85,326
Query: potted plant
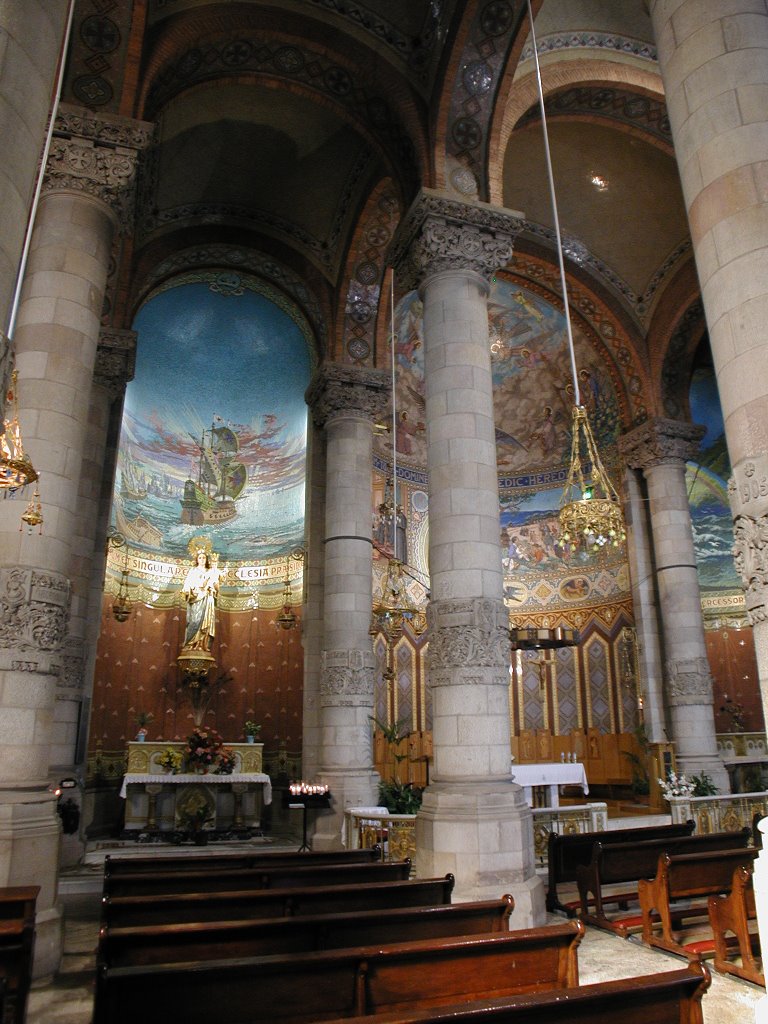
251,730
143,719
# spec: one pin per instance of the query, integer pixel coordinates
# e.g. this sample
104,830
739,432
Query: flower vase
250,738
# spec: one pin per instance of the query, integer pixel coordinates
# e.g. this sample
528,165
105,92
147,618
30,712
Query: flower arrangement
226,764
171,761
735,712
251,728
676,785
202,749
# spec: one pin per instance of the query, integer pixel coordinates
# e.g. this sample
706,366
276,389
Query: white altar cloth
142,778
552,776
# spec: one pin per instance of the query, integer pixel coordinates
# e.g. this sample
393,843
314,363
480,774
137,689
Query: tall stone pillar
640,550
345,402
660,448
42,629
312,626
31,38
714,60
474,821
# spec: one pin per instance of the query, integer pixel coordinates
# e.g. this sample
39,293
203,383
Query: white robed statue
201,591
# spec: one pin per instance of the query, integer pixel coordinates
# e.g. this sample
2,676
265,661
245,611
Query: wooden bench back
17,946
224,906
122,947
566,852
284,876
115,867
628,862
673,997
701,874
366,980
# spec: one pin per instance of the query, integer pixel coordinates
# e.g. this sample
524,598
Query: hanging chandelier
590,510
16,469
121,606
287,618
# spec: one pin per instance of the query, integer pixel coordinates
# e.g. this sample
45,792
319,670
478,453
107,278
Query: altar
159,800
541,782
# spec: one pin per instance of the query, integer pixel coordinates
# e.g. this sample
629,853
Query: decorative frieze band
72,657
115,360
661,441
339,390
97,156
347,678
441,233
689,682
34,610
468,634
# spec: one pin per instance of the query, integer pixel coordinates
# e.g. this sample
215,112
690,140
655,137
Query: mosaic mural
214,428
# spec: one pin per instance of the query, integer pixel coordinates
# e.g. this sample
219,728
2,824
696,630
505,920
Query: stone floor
602,957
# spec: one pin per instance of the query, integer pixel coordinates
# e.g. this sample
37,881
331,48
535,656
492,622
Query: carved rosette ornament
115,360
689,682
34,610
347,678
748,494
338,391
439,233
97,156
660,442
467,638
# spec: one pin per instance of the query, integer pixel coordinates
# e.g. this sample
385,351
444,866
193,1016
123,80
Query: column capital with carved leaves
659,442
97,155
339,391
441,234
115,360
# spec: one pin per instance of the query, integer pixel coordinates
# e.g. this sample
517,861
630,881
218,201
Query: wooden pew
304,987
165,944
672,997
260,877
621,863
566,852
177,908
118,867
17,943
732,913
686,876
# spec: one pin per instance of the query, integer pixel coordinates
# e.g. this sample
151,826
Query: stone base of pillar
708,764
30,837
482,834
348,789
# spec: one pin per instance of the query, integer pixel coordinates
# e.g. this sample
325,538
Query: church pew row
178,908
17,943
622,863
119,867
673,997
285,876
565,853
688,877
731,913
305,987
164,944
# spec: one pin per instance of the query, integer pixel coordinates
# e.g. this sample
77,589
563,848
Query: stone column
88,184
714,60
660,448
474,820
640,552
312,626
345,402
31,38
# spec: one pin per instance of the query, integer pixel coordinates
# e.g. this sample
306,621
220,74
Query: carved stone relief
115,360
689,682
34,609
467,634
661,442
347,678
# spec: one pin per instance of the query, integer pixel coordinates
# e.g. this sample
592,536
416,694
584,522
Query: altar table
160,801
547,778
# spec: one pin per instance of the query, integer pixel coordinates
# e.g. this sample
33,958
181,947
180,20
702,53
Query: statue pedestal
195,665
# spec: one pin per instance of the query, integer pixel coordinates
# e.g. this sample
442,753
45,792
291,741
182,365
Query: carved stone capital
440,233
750,554
34,610
97,155
689,682
661,442
337,390
115,360
347,678
468,634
